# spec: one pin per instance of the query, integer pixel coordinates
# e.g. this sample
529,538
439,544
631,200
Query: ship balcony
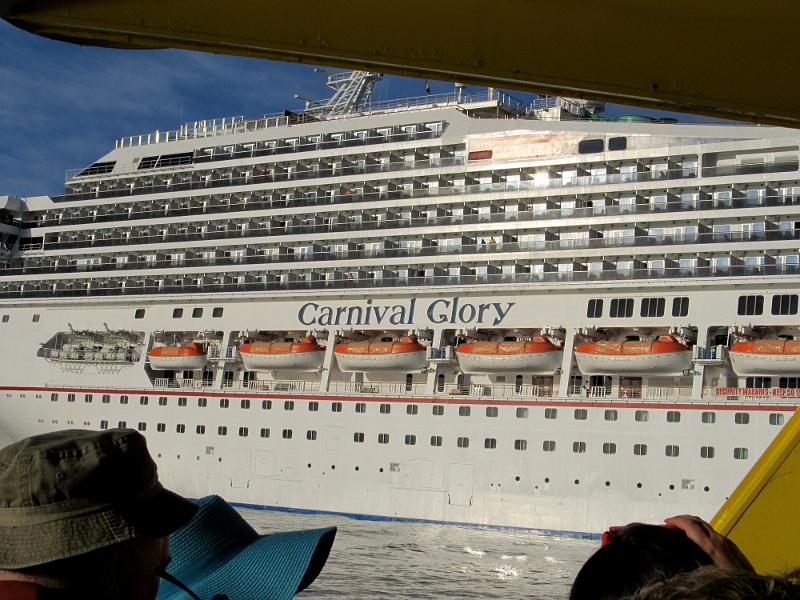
713,355
270,283
441,356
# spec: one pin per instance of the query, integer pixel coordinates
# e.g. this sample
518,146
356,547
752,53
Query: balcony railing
133,288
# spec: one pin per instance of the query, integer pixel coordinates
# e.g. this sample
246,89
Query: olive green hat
66,493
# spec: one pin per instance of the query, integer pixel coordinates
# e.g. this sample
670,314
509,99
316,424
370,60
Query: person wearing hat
83,516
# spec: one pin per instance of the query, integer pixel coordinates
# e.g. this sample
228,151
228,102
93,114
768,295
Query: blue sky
62,106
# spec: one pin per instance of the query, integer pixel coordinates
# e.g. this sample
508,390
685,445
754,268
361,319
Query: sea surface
385,559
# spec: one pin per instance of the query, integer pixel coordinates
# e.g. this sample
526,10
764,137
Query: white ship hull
747,364
534,363
667,363
400,361
298,361
442,223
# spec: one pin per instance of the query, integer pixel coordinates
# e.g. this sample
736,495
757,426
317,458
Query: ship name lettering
452,311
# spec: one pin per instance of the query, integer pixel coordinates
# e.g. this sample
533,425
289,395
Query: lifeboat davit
406,354
303,355
168,358
538,356
663,356
765,357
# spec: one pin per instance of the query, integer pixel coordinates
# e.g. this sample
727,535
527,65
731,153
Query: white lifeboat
538,356
663,356
406,354
303,355
168,358
765,357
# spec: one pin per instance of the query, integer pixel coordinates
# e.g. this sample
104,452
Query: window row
622,308
782,304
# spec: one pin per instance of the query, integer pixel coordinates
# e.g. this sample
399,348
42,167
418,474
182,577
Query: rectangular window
609,448
106,399
594,310
464,411
266,405
222,430
621,308
144,400
313,406
87,398
177,313
706,451
244,403
197,313
776,419
438,410
142,426
520,444
550,413
784,305
412,409
611,414
243,431
54,397
579,447
311,435
361,407
641,416
358,437
490,443
217,312
383,438
680,307
617,143
224,403
180,428
741,418
741,453
122,399
672,450
640,449
751,305
522,412
161,427
162,401
182,401
491,411
286,434
708,417
139,314
385,409
462,442
5,320
35,318
581,414
264,433
336,407
124,424
410,440
288,405
652,307
673,416
436,440
200,429
591,146
549,445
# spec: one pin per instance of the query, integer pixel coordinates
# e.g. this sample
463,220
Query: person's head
84,512
712,583
633,556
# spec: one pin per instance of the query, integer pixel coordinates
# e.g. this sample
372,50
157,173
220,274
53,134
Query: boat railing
33,289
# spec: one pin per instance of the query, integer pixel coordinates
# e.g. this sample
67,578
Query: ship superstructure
457,308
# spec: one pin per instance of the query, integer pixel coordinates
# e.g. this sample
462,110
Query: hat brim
162,515
213,555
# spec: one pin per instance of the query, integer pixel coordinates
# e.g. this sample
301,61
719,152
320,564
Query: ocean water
378,559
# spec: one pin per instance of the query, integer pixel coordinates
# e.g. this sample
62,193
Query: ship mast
352,91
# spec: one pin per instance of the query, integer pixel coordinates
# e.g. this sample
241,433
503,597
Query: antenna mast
352,91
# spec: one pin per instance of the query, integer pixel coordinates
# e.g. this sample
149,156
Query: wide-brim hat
67,493
218,552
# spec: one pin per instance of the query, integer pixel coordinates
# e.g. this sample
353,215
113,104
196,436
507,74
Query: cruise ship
457,308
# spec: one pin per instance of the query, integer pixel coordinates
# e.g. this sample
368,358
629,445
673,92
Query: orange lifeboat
664,355
405,354
765,357
538,356
303,355
168,358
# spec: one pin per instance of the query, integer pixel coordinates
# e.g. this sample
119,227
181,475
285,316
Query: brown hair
711,583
